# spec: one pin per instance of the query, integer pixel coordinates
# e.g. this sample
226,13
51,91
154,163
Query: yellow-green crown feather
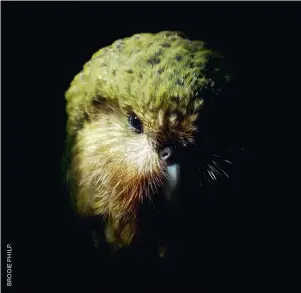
145,72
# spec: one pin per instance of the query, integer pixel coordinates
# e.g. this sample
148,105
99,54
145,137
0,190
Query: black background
247,238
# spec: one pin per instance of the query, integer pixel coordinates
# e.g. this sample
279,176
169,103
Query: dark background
247,237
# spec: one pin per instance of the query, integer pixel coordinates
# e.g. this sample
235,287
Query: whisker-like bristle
224,160
207,178
214,169
220,169
212,175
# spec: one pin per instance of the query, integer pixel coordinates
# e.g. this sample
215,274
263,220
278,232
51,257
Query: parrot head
131,110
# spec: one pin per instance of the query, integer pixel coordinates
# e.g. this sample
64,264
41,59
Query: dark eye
135,123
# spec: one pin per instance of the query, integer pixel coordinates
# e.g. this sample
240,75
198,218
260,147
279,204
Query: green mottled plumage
163,78
144,71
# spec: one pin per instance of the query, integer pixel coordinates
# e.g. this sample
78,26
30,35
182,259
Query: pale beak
171,186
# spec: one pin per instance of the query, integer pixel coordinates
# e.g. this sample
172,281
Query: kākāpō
131,110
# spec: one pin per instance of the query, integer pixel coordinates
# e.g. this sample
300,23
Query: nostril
165,154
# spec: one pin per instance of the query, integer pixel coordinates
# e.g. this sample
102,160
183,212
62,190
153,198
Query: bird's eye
135,123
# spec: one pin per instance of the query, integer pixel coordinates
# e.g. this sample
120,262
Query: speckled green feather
146,72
